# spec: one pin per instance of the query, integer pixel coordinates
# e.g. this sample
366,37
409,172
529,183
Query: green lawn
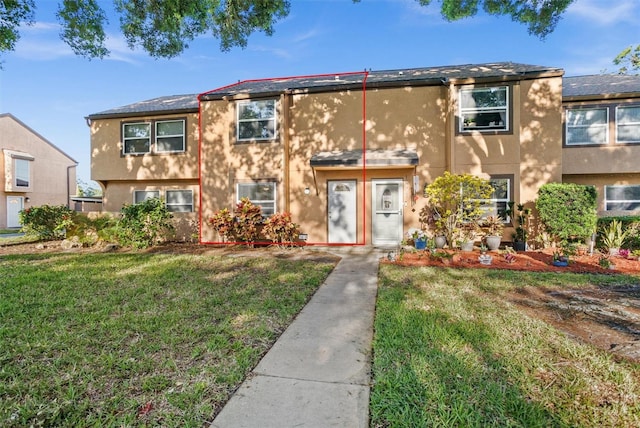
138,339
450,351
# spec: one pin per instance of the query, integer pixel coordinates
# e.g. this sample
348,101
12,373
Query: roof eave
432,81
121,115
600,97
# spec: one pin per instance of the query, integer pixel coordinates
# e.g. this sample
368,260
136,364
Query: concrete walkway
318,373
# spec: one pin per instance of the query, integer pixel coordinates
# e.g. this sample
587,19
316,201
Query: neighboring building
601,140
35,171
347,154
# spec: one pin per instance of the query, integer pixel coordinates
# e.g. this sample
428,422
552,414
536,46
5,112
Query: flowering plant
416,234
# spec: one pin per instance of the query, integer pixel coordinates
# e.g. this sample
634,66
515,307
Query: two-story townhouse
347,154
149,149
35,171
601,139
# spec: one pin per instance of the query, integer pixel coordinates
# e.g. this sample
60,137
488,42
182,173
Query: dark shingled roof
407,76
600,84
410,76
165,105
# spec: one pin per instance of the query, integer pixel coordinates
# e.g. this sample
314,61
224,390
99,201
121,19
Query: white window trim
259,201
630,123
586,143
146,191
124,138
607,201
183,135
167,204
274,119
463,111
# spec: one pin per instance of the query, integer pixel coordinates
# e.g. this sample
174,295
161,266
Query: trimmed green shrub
144,224
47,221
567,211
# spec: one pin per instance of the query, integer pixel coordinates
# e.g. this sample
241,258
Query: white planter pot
493,242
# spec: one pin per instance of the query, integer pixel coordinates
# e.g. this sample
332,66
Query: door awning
375,159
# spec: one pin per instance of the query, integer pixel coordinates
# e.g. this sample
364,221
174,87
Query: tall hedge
568,211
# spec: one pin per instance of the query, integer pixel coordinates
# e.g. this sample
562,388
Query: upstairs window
622,198
170,136
157,136
587,126
22,173
628,124
136,138
484,109
256,120
260,193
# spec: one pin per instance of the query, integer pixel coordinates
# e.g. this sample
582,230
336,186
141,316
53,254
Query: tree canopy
628,60
164,28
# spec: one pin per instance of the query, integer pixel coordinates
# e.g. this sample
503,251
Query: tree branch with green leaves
164,28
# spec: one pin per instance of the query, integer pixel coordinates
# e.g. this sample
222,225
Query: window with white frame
142,195
180,201
256,120
628,124
484,109
261,193
498,203
136,138
170,136
22,172
622,198
587,126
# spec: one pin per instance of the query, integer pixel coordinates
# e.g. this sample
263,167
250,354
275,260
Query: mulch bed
534,261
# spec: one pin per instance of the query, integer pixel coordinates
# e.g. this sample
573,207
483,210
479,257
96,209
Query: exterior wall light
307,191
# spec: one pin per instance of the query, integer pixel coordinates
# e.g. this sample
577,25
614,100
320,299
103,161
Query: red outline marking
364,158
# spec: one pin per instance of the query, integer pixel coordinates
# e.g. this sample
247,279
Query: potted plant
613,236
493,226
466,235
560,258
520,218
419,238
430,219
455,200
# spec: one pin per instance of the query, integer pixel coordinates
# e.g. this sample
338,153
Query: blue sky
44,85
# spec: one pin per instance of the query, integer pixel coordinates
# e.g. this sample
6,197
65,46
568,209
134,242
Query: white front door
15,204
342,212
386,203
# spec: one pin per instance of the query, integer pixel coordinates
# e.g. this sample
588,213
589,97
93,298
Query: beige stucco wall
53,173
614,157
601,180
418,118
121,192
108,163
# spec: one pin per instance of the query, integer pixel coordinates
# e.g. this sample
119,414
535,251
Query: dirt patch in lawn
608,318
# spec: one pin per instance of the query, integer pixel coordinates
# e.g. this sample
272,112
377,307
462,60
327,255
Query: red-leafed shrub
281,230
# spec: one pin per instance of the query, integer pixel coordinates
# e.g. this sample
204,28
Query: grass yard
451,351
138,339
